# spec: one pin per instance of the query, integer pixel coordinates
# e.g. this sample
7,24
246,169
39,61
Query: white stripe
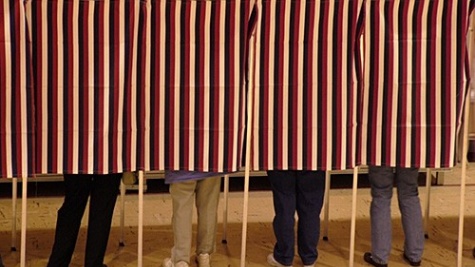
148,100
8,89
121,97
60,82
345,100
24,115
254,71
76,112
394,97
423,107
192,91
222,87
454,86
315,88
300,123
207,27
438,85
90,88
161,133
238,133
379,111
107,87
133,158
285,86
329,90
44,94
176,84
271,79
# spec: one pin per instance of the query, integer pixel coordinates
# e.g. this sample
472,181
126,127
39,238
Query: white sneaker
203,260
182,264
169,263
311,265
272,262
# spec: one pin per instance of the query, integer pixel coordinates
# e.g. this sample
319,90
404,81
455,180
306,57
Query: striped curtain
83,56
307,79
416,78
16,96
191,67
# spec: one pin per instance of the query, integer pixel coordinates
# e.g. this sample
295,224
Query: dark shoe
473,252
369,259
412,263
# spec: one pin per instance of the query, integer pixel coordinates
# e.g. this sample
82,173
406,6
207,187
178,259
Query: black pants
103,190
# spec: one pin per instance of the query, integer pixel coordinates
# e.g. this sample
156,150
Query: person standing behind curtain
186,188
103,191
382,181
301,192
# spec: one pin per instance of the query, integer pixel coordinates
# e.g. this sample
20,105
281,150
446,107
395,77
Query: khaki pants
206,193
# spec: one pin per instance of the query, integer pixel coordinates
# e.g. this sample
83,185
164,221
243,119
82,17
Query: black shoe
412,263
369,259
473,252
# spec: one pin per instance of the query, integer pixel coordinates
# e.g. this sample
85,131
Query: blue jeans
381,180
300,191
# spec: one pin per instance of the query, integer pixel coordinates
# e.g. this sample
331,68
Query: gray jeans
381,180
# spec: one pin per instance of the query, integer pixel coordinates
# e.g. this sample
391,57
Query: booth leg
225,211
24,218
122,213
140,223
353,217
14,212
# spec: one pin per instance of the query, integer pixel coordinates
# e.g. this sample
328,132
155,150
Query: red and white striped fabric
191,66
307,78
16,108
416,78
83,56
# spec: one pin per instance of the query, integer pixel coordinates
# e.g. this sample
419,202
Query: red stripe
448,67
54,89
4,16
172,84
201,55
390,64
324,60
416,152
338,97
218,89
310,80
99,148
18,91
70,87
37,48
188,87
85,91
375,79
232,60
431,119
266,80
295,150
156,108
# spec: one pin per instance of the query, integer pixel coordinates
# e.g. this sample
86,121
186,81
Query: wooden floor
440,250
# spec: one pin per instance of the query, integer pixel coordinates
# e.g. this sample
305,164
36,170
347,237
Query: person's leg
207,200
310,191
104,191
411,213
283,185
183,198
77,188
381,180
